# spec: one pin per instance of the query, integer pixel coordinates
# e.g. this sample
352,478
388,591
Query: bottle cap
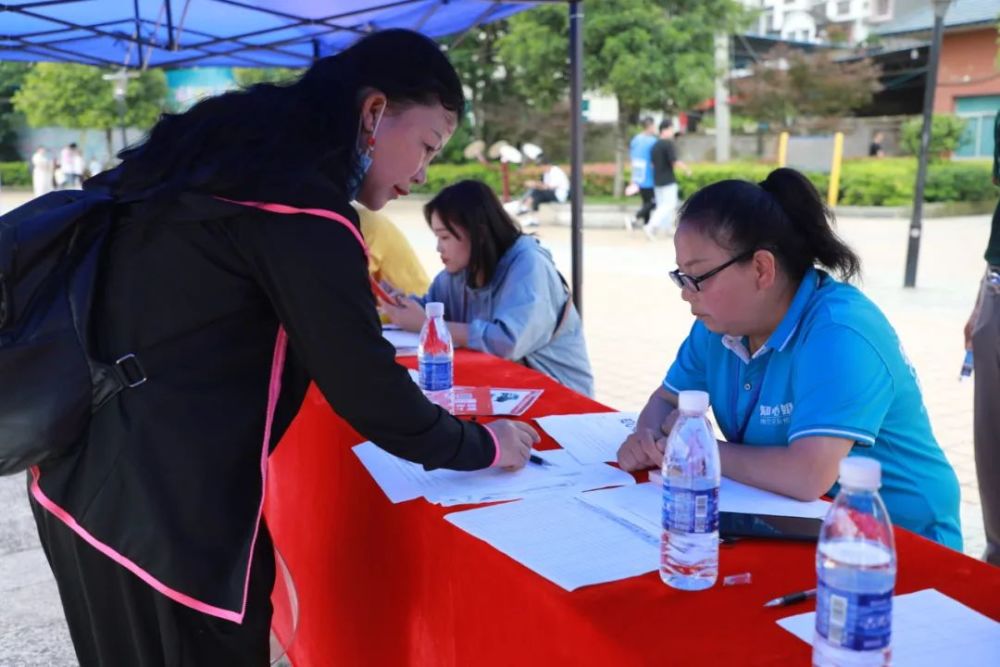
860,472
693,401
434,309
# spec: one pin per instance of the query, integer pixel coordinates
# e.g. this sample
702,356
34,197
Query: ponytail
812,219
783,213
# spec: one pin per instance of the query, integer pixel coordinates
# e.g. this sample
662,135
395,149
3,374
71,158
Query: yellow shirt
390,257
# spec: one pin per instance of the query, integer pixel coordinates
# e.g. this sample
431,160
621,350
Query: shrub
863,182
14,174
946,132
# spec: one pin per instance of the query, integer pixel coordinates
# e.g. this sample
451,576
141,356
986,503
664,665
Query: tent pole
576,150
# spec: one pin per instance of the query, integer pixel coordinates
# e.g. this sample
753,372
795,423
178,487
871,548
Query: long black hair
473,206
783,213
241,142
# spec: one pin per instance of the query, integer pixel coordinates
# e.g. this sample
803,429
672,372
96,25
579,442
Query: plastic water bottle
856,573
966,371
689,549
436,357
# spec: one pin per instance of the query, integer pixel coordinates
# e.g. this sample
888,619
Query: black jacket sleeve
314,272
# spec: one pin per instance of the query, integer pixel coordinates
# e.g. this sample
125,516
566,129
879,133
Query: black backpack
50,251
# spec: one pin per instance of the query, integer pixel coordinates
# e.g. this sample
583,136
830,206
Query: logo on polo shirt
779,413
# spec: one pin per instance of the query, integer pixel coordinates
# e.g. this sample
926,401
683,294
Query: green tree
649,54
11,77
77,97
248,76
946,133
787,84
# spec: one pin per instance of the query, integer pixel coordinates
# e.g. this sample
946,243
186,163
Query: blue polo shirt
833,367
641,154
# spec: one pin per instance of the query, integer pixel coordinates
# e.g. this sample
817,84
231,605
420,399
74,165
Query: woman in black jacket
153,526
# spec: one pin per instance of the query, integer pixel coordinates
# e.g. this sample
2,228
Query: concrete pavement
635,321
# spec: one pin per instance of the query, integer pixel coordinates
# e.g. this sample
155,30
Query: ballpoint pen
538,460
791,598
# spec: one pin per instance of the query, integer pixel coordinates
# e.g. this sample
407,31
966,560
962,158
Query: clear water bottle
436,357
856,573
689,549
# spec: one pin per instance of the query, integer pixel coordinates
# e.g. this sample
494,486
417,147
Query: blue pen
966,366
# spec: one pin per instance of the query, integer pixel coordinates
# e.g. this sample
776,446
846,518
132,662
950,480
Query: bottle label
855,621
436,375
688,511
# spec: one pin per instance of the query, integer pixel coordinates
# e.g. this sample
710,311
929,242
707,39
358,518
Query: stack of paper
738,497
928,628
405,342
591,438
402,480
563,540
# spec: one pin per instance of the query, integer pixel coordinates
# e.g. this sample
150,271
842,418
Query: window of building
843,7
882,9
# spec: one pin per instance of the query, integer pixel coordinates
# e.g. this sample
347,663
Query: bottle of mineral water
436,356
689,550
856,573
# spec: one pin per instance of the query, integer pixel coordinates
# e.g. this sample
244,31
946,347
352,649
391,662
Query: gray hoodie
515,316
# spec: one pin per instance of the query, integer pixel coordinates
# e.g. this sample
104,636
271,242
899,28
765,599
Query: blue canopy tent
138,34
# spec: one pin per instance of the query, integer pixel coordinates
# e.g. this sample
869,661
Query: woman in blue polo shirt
802,369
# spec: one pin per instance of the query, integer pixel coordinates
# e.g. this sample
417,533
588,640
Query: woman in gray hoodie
501,291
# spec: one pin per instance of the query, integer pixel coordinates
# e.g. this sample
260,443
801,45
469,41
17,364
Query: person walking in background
71,163
664,157
641,154
42,171
875,148
982,336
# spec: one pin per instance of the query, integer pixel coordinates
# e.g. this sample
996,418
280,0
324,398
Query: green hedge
863,182
15,174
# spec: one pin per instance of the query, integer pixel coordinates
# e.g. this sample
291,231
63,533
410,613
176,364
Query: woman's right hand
641,450
515,440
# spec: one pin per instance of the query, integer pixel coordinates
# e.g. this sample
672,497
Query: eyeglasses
693,283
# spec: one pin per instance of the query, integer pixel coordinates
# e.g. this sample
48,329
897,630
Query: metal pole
576,150
916,222
723,131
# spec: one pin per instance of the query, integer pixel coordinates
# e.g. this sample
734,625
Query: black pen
791,598
538,460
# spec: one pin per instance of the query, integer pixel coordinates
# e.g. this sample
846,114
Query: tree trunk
111,148
621,146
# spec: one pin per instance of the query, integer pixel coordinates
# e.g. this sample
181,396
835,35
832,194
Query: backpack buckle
130,371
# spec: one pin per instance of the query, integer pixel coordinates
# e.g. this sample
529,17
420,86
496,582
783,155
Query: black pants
539,197
115,619
648,204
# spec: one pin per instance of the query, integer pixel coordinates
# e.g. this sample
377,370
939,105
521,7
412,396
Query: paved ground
635,321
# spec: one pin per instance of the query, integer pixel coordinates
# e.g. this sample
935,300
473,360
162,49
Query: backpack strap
567,307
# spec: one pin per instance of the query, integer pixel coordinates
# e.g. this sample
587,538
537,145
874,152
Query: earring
371,141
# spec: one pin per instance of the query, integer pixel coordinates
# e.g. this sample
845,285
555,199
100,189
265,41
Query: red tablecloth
384,584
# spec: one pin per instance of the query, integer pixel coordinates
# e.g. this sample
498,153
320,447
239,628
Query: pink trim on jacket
496,445
274,390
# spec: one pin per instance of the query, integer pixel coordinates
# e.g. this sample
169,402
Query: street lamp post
120,82
916,223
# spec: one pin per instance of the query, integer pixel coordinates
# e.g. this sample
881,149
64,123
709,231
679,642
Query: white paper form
591,438
928,628
738,497
562,539
405,342
402,480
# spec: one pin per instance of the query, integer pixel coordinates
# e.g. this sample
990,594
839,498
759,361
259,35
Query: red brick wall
968,67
